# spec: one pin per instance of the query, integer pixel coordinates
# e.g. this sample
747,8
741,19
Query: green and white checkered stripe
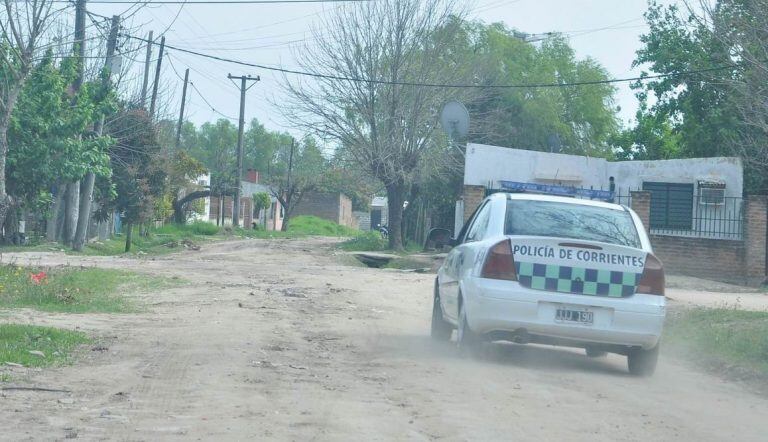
578,280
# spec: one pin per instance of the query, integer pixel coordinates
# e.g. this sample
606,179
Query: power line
448,85
211,2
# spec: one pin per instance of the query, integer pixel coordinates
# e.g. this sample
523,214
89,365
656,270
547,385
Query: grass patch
165,239
365,242
722,338
73,290
299,227
55,345
188,230
174,237
372,241
314,226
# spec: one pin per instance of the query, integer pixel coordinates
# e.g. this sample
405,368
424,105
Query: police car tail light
499,264
652,280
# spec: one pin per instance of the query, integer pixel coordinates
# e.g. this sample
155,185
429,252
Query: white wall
486,165
632,174
490,164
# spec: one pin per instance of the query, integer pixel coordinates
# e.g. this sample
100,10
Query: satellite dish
455,120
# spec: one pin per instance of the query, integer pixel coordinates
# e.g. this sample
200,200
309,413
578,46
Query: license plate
577,316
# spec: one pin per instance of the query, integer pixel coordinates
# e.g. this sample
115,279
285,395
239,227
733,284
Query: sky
605,30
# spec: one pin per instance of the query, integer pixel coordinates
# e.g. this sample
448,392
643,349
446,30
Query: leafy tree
582,117
46,133
652,138
137,165
22,26
298,170
261,201
387,127
698,106
182,175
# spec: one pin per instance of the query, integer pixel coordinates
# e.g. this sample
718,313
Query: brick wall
246,212
754,235
730,260
473,196
363,220
334,207
703,257
641,204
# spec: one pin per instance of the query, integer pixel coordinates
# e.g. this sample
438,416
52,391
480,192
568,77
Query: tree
261,201
582,117
298,170
183,173
215,148
719,107
22,24
46,132
137,168
365,58
653,137
741,26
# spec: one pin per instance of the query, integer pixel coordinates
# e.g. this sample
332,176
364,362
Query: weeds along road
277,340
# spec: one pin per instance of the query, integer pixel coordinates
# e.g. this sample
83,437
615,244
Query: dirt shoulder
274,339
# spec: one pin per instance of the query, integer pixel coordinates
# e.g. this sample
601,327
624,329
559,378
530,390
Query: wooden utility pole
181,112
157,78
290,169
241,123
147,62
86,189
72,195
79,48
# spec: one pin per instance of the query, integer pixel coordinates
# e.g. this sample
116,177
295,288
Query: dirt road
276,340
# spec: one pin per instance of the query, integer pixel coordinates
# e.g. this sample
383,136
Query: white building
696,196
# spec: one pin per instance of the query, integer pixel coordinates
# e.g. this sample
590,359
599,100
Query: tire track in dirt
274,340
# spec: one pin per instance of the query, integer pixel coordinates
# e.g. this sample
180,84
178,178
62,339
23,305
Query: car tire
441,329
643,362
592,352
468,341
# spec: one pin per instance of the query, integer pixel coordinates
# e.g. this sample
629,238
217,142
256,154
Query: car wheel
643,362
441,329
467,340
592,352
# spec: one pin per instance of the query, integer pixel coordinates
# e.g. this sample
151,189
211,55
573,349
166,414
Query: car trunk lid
578,267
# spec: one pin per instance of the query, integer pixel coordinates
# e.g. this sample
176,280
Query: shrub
312,225
204,228
368,242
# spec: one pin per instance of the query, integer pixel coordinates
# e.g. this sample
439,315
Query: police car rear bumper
506,306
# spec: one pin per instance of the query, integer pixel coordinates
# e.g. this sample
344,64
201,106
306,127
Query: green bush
366,242
203,228
312,225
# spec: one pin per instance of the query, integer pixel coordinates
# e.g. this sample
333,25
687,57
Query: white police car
553,270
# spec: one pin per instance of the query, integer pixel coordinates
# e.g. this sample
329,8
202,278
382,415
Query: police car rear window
562,220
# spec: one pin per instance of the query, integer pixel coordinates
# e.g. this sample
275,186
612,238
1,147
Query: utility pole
241,123
79,48
147,61
86,190
157,78
72,192
181,112
290,170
